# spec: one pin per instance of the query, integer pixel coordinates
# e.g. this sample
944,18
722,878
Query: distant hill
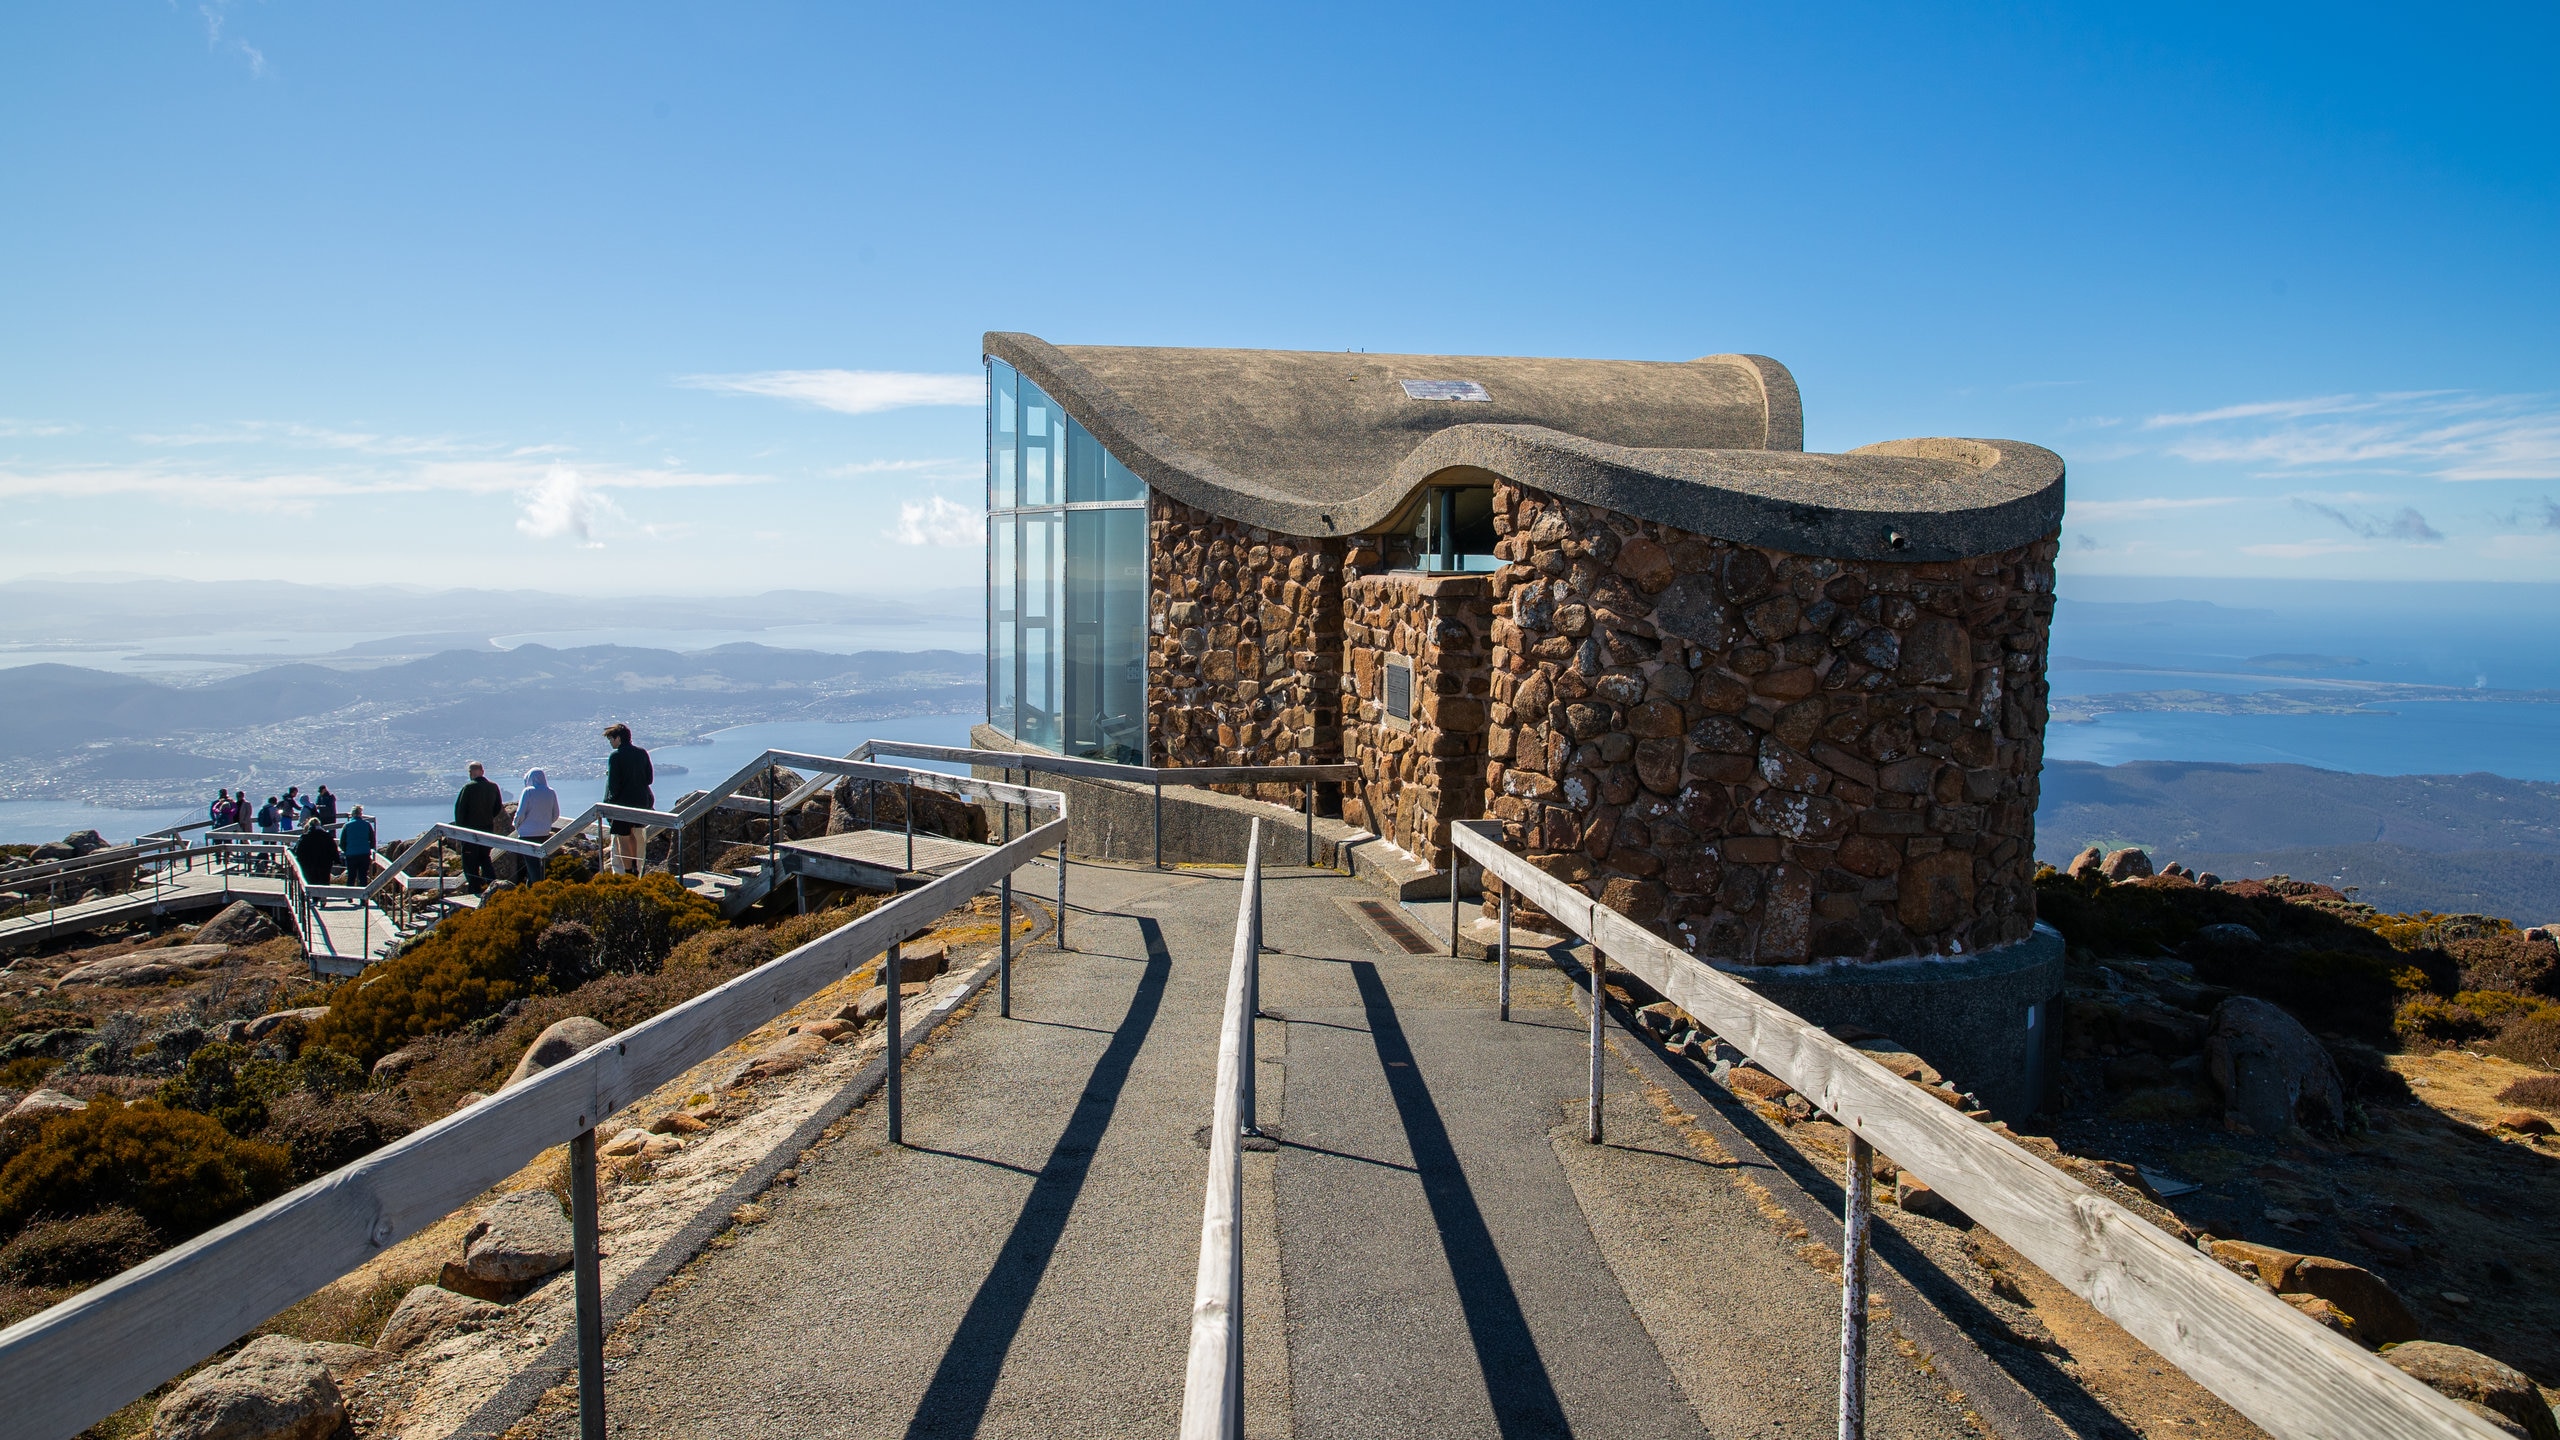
2476,842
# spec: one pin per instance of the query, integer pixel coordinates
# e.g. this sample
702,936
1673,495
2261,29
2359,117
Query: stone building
1785,708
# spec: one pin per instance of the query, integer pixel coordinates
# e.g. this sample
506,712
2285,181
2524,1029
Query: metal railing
1155,777
2272,1363
63,1369
1213,1377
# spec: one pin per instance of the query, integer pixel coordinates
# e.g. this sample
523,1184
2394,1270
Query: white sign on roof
1445,390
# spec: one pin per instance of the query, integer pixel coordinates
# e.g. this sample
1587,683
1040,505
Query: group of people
325,842
281,814
482,806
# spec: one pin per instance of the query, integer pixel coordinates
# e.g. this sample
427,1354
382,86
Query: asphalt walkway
1431,1251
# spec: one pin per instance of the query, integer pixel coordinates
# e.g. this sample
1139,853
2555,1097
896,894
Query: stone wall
1245,637
1416,777
1769,758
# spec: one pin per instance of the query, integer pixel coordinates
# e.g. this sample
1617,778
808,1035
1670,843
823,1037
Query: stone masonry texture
1245,643
1769,758
1417,776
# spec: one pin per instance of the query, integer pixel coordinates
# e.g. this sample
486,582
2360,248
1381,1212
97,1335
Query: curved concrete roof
1317,443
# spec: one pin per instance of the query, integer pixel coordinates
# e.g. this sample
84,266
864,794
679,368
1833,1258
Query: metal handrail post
1252,992
590,1282
773,826
890,976
1502,982
907,802
1856,1210
1599,972
1004,947
1159,824
1310,856
1062,892
1453,898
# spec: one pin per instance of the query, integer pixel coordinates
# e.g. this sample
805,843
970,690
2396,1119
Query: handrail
63,1369
2270,1362
109,858
1213,1377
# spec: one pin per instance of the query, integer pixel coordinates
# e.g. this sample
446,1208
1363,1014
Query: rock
659,1147
2126,864
1916,1198
347,1364
626,1143
240,923
2494,1420
398,1063
2471,1376
274,1389
2085,864
2379,1315
2226,935
562,1039
2270,1071
2524,1122
920,961
430,1311
142,967
461,1282
1758,1084
2381,1318
874,1003
40,1106
2322,1311
1894,1056
521,1237
677,1122
266,1025
466,1100
780,1058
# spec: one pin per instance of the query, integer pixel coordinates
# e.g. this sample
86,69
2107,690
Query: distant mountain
67,732
2441,842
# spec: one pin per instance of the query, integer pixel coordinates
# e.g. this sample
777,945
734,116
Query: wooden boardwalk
184,892
876,858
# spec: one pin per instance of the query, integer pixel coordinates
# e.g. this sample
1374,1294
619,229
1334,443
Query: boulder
518,1239
274,1389
780,1058
2226,935
266,1025
921,960
2378,1316
560,1040
40,1106
398,1063
2524,1122
676,1122
240,923
2471,1376
2321,1310
874,1003
2086,863
2270,1071
2129,863
1896,1057
142,967
430,1311
1916,1198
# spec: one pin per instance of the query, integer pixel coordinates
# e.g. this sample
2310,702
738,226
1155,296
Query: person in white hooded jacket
537,815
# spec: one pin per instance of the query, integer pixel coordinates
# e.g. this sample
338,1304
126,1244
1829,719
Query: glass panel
1040,460
1119,482
1106,641
1043,557
1084,464
1000,435
1454,530
1001,619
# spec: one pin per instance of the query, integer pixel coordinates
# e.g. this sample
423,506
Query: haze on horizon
661,299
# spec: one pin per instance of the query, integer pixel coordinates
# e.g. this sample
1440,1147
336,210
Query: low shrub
2508,962
78,1250
2541,1092
2531,1039
181,1172
321,1133
2431,1021
238,1087
742,949
473,964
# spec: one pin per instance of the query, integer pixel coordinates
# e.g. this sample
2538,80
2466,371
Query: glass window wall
1066,580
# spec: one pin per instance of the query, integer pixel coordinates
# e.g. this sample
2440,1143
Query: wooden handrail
64,1368
2272,1363
1213,1374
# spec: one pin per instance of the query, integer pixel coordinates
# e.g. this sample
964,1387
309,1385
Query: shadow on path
1515,1376
956,1400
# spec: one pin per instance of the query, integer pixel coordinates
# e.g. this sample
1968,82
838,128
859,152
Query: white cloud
2449,435
902,467
302,489
2151,505
564,506
851,392
16,429
937,521
2408,525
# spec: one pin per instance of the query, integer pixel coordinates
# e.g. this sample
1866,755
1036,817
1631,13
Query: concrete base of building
1985,1021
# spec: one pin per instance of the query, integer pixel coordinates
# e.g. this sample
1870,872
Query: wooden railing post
1856,1209
896,1086
1599,972
586,1244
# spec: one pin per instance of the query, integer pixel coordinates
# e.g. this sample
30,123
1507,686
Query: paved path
1432,1251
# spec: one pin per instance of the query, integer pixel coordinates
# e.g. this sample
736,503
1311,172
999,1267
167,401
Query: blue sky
552,296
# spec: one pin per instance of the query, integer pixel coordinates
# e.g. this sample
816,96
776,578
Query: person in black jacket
627,778
316,852
476,808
